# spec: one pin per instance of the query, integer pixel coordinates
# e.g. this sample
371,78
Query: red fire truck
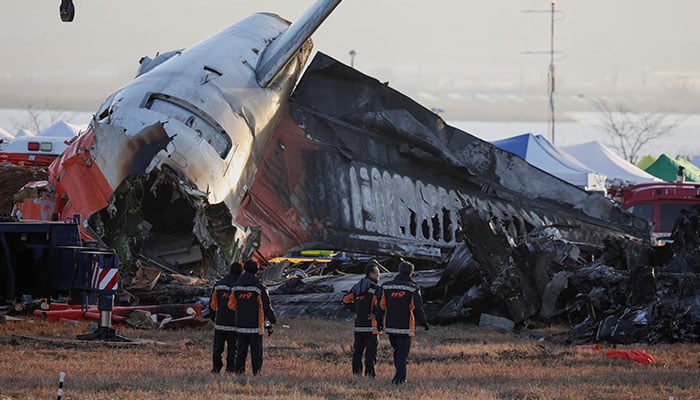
660,203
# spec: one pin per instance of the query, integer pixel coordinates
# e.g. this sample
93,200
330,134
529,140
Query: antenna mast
551,76
551,70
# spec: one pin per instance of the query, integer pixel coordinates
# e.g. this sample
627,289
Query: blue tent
539,152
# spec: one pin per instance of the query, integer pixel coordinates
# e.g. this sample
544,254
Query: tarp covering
539,152
666,168
601,159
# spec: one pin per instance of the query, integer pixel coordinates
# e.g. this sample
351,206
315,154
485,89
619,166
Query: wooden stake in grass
59,393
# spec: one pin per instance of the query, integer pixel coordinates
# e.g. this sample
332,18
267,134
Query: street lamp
352,53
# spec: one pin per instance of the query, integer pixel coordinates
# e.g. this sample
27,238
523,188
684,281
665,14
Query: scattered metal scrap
328,304
623,292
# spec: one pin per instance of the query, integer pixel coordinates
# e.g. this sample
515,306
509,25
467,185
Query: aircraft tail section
283,48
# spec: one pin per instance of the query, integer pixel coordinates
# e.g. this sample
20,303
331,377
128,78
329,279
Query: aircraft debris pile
157,286
327,301
13,178
622,292
223,163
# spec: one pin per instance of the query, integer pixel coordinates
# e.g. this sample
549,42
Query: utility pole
352,54
551,69
551,75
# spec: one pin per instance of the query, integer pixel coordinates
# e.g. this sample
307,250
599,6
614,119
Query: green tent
666,168
646,161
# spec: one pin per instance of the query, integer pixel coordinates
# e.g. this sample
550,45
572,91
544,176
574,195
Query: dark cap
251,266
405,268
236,268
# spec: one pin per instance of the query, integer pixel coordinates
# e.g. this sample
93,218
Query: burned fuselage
356,165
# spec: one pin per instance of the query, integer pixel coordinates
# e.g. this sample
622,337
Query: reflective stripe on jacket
251,302
362,301
401,304
225,319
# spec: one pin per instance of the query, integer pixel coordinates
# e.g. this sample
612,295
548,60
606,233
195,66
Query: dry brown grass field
310,359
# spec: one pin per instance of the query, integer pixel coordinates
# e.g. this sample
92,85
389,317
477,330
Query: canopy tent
696,161
601,159
23,132
5,137
539,152
645,162
5,134
61,129
666,168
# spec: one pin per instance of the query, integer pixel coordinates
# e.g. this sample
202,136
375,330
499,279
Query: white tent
600,158
61,129
539,152
6,135
24,132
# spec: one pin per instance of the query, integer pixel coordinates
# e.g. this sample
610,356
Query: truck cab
659,203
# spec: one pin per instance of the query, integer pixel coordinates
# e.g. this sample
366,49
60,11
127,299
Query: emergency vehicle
659,203
33,150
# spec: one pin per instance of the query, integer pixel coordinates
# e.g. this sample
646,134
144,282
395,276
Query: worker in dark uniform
250,300
400,306
362,301
224,320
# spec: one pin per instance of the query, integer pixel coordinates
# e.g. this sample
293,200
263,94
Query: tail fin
285,46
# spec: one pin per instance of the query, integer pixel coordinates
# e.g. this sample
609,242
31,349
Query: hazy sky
418,46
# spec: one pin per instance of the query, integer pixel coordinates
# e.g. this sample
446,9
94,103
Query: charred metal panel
309,193
358,166
624,295
422,139
507,274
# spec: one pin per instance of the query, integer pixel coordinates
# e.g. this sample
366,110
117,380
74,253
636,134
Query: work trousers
221,339
254,341
402,346
365,342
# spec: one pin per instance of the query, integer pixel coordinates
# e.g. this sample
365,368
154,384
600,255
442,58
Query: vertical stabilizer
283,48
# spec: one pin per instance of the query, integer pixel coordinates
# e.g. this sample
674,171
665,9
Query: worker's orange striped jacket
250,300
401,306
362,300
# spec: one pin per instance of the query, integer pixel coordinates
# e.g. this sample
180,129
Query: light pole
352,53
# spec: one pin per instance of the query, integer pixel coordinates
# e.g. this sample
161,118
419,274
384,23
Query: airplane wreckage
224,151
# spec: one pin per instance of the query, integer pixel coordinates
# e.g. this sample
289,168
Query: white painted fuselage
210,103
